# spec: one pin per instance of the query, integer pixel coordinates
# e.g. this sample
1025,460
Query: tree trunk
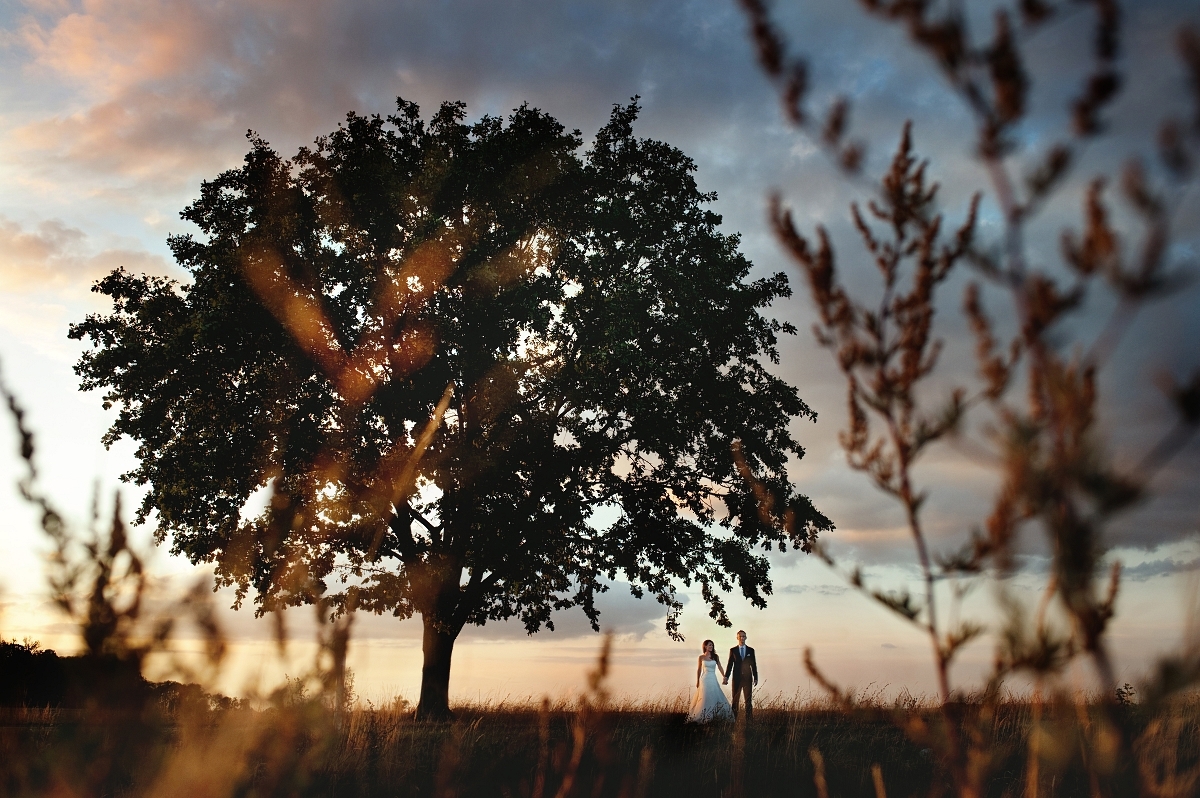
437,645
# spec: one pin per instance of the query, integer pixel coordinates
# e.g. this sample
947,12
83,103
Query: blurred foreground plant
116,733
101,586
1039,382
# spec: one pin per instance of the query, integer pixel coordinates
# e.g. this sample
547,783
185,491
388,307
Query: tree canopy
481,376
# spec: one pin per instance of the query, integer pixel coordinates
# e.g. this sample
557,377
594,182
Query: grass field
299,748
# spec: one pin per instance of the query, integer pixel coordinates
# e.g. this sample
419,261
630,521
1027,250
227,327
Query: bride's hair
704,648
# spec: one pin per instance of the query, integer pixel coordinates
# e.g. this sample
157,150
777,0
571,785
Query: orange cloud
141,73
113,44
138,137
55,257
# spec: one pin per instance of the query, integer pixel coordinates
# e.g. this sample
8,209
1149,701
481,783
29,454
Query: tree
591,335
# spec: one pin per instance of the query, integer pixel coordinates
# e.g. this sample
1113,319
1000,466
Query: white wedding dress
709,702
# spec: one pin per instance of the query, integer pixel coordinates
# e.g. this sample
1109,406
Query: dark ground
302,750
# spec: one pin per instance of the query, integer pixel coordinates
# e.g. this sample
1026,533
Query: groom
743,667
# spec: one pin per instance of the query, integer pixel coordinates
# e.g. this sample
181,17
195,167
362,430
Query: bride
709,702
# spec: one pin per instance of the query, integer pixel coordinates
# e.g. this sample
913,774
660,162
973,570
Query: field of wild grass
298,747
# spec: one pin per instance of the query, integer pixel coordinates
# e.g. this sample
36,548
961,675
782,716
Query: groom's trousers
744,686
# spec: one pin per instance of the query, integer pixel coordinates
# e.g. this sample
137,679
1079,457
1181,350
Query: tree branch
433,530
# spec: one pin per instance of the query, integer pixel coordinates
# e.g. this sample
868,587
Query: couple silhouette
709,702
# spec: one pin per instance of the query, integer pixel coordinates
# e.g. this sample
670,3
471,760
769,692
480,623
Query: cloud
1174,556
55,257
162,91
820,590
1163,567
151,85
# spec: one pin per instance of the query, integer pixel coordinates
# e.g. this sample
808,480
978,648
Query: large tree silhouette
443,348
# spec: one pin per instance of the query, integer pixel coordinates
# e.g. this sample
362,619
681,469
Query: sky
112,112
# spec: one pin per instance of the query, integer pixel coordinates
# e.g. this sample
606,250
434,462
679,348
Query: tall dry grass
1031,409
800,745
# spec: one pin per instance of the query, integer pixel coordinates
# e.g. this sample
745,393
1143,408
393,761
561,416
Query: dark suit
745,676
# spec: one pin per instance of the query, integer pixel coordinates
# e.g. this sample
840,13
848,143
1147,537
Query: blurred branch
1051,468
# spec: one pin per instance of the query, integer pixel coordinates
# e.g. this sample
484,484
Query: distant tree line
32,676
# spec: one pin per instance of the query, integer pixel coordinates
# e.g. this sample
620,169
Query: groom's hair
739,631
